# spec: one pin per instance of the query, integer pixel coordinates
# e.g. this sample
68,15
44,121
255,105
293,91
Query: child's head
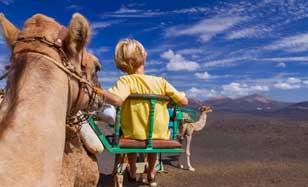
129,55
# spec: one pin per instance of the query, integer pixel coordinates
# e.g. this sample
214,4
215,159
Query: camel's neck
32,124
199,125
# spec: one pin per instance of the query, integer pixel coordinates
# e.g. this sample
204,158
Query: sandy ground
238,150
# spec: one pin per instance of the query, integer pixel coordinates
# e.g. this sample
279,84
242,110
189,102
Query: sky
207,48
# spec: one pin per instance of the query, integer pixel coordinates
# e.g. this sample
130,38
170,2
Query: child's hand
99,91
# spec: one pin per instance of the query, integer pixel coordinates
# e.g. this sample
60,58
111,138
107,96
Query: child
130,57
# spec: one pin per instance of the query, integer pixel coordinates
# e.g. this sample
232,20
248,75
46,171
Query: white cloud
154,62
153,70
241,33
99,50
289,84
178,63
6,2
161,48
235,89
206,28
191,10
74,7
294,43
129,12
96,26
252,32
287,59
189,51
286,86
125,10
226,62
293,80
4,60
168,54
1,39
305,82
108,78
204,75
200,93
281,65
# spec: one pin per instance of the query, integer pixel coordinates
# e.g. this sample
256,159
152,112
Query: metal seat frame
113,145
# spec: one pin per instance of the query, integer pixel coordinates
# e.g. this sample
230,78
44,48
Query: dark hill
247,104
297,111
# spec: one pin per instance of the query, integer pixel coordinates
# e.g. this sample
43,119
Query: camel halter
67,67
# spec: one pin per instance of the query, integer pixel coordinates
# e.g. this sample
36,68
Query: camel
38,99
188,129
79,167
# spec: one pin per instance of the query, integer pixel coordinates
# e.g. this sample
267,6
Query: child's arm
109,97
183,101
178,97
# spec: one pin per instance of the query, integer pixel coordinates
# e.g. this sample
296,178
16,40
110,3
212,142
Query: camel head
90,67
40,95
72,40
205,109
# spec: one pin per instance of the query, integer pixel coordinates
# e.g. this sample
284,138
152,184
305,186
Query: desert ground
238,150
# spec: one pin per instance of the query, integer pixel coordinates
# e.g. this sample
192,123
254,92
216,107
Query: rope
64,66
4,75
69,72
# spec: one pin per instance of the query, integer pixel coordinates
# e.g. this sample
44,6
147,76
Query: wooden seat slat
131,143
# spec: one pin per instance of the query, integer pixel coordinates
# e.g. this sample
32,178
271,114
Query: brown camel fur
188,129
33,112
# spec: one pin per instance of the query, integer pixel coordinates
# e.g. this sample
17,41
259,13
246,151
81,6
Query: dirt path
239,150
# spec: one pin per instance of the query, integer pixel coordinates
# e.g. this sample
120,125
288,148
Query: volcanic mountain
248,104
297,111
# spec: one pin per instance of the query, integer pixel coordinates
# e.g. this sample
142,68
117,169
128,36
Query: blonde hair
129,55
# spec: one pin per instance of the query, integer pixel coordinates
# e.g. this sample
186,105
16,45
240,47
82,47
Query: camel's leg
180,158
188,138
183,130
180,164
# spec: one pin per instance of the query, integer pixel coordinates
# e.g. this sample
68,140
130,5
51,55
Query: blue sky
205,48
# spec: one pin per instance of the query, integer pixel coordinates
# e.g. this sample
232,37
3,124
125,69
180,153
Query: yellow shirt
135,114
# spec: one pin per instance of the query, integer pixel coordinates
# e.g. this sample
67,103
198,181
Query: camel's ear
9,31
78,34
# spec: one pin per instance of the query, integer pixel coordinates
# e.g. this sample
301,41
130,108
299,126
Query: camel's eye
97,68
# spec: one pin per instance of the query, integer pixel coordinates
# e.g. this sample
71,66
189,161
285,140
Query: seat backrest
152,100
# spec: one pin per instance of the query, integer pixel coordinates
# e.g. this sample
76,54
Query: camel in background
34,110
188,129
